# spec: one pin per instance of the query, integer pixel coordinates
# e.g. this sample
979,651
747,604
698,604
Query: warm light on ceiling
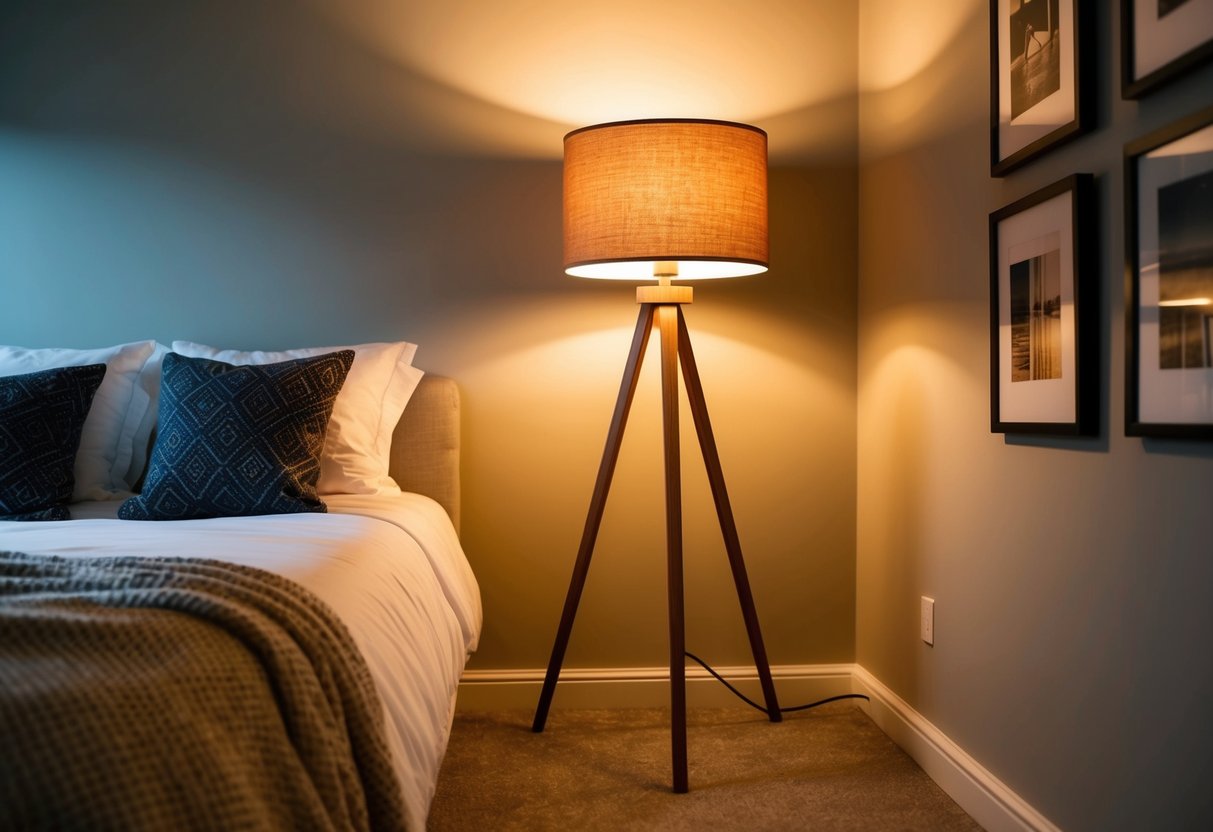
593,61
1187,302
899,39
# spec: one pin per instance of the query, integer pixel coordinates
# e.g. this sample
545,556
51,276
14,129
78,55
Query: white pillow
115,421
149,383
357,448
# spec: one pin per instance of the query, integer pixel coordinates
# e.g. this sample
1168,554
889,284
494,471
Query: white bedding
391,567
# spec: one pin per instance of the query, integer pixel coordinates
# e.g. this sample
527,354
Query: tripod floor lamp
659,200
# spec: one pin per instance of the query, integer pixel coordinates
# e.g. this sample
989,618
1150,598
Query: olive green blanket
140,693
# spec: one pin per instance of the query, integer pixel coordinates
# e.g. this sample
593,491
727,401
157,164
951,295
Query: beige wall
1072,578
268,176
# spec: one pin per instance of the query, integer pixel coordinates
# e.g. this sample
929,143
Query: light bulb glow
643,269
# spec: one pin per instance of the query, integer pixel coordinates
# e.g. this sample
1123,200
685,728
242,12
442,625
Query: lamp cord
754,704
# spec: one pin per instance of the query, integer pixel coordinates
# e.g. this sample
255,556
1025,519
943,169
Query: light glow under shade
645,269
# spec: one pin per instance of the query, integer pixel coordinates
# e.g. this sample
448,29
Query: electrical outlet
927,625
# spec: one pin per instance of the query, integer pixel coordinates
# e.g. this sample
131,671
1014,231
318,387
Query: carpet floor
830,768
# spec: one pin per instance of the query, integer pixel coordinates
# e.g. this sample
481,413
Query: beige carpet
829,768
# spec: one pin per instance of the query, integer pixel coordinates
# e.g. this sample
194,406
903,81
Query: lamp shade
641,195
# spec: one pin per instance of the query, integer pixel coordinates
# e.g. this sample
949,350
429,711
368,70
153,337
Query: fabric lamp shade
659,197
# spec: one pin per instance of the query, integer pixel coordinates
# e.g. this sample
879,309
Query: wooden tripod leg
593,520
724,510
667,318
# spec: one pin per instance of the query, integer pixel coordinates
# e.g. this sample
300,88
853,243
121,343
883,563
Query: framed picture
1043,314
1161,40
1040,78
1169,281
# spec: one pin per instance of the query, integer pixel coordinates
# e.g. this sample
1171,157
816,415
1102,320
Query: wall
1071,577
260,176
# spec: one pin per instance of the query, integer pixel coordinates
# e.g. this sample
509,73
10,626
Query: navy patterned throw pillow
41,416
239,440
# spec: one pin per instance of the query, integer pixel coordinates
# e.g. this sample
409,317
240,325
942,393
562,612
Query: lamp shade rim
639,121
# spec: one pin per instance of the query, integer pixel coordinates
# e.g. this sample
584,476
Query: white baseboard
645,687
986,798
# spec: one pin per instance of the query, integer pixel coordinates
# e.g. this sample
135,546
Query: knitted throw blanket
161,693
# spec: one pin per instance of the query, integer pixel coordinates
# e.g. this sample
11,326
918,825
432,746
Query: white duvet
391,567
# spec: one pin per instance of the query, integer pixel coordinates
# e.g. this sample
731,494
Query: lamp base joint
664,294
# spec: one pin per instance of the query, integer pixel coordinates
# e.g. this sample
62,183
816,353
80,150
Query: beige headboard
425,445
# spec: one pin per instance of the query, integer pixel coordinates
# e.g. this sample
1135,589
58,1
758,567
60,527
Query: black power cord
754,704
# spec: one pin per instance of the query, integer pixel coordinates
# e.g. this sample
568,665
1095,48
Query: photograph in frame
1042,313
1169,277
1161,40
1038,87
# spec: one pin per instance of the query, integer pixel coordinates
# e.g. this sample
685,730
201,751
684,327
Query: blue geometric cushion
235,441
41,416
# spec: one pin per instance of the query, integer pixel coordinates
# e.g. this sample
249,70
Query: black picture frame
1169,280
1044,324
1043,98
1155,48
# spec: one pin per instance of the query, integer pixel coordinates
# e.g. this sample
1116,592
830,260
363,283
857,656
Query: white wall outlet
927,625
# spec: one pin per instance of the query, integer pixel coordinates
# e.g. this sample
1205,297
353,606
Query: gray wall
257,175
1072,642
260,177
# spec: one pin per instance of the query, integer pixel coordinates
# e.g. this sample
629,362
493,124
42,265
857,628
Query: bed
390,567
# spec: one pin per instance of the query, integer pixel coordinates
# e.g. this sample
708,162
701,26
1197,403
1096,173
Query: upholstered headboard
425,445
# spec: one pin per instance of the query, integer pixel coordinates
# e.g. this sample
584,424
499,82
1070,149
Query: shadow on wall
250,173
270,82
909,69
277,82
259,170
117,241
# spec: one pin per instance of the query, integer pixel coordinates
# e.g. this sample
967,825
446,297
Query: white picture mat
1040,229
1174,396
1158,42
1052,112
